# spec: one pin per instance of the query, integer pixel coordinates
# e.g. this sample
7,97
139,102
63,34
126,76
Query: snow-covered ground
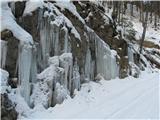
151,34
129,98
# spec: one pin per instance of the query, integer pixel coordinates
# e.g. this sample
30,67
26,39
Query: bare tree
144,23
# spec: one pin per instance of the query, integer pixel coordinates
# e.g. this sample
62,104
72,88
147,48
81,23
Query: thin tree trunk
144,31
155,20
131,8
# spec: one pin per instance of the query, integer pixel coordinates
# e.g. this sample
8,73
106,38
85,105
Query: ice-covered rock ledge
8,22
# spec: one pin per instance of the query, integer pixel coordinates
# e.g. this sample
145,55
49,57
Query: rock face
8,111
56,33
12,52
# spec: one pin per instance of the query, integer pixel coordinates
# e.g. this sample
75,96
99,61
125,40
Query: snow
8,22
55,82
128,98
108,12
89,15
151,34
61,19
4,75
40,94
32,5
21,106
71,7
60,94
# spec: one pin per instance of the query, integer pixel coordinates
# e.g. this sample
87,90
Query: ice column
65,40
103,58
130,54
33,72
25,56
88,66
114,67
66,63
56,40
76,78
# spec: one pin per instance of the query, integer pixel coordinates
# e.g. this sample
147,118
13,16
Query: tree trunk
144,31
131,8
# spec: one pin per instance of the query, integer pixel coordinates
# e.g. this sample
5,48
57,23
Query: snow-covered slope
128,98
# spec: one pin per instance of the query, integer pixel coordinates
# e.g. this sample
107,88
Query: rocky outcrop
56,32
12,52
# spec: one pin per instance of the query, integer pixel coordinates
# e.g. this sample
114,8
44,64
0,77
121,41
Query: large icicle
66,62
114,66
66,40
56,40
88,66
44,40
76,78
25,57
33,71
130,54
103,56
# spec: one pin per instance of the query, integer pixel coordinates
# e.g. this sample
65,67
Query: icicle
103,58
76,78
66,40
33,72
25,56
56,40
88,65
66,63
130,54
45,40
3,53
113,67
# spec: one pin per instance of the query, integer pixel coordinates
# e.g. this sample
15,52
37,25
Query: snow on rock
71,7
4,75
60,94
21,106
8,22
41,94
151,34
55,82
61,19
134,70
32,5
65,58
54,61
25,49
66,61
